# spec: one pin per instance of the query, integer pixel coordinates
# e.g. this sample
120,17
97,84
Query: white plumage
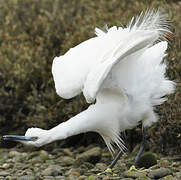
123,70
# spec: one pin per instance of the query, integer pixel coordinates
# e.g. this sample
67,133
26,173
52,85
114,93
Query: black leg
142,147
116,159
119,154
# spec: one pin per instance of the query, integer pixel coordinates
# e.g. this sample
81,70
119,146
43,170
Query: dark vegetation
33,32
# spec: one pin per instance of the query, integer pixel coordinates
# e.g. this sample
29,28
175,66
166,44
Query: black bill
18,138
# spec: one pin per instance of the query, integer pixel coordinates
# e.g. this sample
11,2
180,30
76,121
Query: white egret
122,71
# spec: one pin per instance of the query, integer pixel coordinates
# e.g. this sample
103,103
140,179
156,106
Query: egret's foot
108,170
132,168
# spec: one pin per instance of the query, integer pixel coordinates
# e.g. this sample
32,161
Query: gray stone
92,155
26,177
52,170
169,177
82,177
143,178
48,177
101,166
60,177
4,173
178,175
159,173
14,153
67,161
134,174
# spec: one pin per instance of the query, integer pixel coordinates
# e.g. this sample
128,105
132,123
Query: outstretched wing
146,30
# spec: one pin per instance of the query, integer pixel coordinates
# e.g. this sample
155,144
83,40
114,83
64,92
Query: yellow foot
108,170
132,168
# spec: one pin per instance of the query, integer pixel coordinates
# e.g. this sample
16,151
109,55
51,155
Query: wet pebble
59,165
52,170
134,174
92,155
159,173
26,177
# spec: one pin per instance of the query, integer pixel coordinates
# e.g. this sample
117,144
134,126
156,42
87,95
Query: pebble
14,153
91,178
147,160
68,152
82,177
4,173
26,177
5,166
67,161
101,166
52,170
178,174
169,177
92,155
159,173
134,174
31,166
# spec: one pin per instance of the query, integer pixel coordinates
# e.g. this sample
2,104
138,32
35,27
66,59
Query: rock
14,153
60,177
71,171
52,170
26,177
134,174
89,165
147,160
164,163
82,177
92,155
5,166
48,177
101,166
121,166
143,178
75,173
91,178
159,173
44,155
33,154
169,177
67,152
4,173
67,161
178,175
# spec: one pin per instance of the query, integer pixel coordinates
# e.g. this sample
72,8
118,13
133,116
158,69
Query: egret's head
33,137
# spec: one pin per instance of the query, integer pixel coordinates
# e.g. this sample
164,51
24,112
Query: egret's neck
76,125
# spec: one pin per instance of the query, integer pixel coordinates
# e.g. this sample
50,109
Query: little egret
121,72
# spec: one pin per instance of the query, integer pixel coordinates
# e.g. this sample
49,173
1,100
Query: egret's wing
70,70
130,44
122,42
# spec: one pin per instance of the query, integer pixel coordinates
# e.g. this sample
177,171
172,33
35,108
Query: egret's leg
142,147
115,159
109,169
121,152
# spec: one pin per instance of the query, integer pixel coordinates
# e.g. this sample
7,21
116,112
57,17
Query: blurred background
33,32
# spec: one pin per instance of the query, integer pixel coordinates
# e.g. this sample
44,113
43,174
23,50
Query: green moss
147,160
